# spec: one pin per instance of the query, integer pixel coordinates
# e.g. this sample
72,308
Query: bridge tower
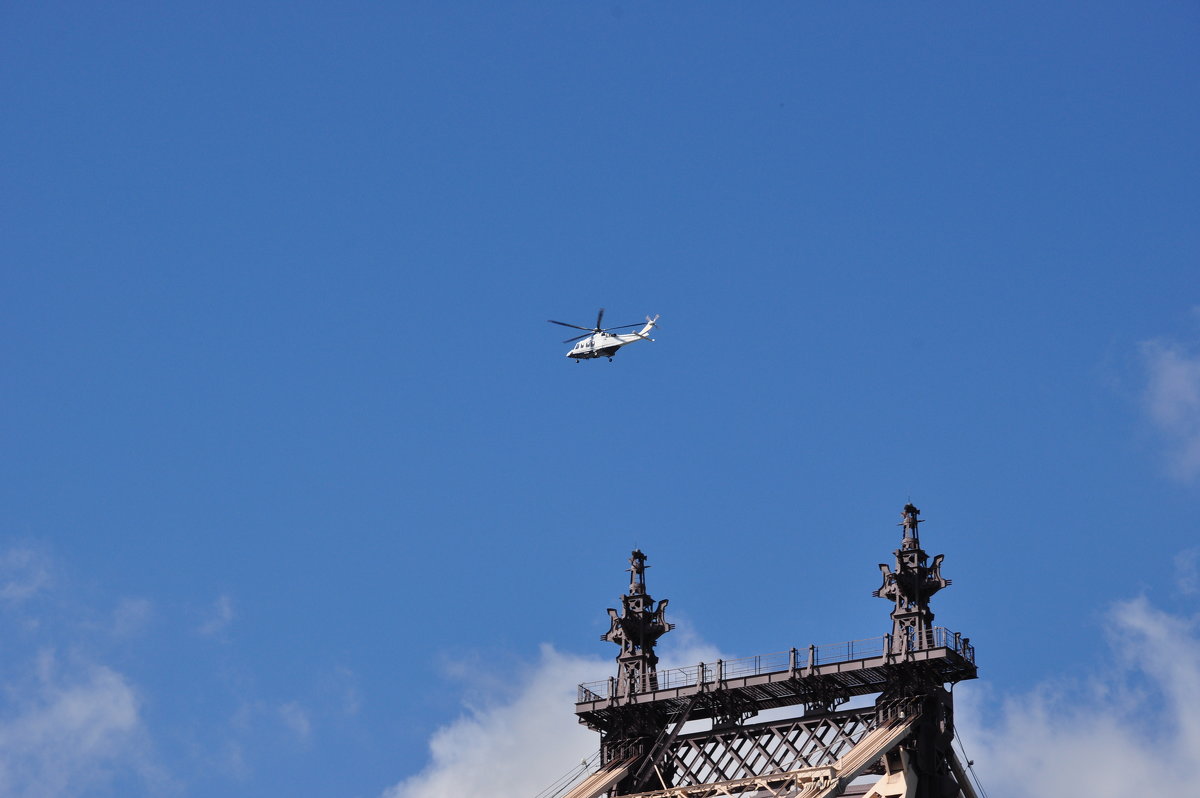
688,732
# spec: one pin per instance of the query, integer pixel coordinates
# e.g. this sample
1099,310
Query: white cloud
681,649
66,734
1132,730
1172,400
517,748
514,749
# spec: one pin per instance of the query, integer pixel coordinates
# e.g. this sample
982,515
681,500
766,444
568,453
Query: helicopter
600,341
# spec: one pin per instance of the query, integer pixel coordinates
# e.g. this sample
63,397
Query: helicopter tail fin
651,323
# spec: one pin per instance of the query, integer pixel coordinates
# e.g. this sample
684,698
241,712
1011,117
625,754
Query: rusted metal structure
650,746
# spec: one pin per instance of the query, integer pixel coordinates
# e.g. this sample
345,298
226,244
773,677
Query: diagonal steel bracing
779,746
822,781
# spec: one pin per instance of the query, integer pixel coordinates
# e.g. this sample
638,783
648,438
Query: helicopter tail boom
645,331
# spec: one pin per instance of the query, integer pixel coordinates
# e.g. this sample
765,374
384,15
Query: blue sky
299,483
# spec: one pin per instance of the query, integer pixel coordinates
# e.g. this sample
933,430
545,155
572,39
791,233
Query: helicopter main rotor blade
599,319
576,326
623,326
578,337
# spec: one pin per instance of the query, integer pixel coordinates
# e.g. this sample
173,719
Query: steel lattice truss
905,737
742,752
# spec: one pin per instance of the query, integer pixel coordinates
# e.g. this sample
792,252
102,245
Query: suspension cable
567,780
970,763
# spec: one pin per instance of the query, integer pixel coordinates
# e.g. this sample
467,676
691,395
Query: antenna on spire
909,522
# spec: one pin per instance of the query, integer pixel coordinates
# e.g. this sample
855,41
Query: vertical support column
931,747
911,688
636,629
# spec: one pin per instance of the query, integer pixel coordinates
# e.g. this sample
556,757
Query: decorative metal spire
911,586
636,630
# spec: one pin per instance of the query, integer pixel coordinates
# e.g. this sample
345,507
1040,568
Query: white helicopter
600,342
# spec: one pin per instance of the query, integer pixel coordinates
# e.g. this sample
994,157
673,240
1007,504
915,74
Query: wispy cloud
295,719
1172,401
219,616
131,616
1187,571
1130,730
68,730
23,573
69,724
340,690
258,720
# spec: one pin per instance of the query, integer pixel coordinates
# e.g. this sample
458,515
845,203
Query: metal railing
794,659
849,651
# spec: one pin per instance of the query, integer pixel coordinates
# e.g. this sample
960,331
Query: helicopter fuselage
601,345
